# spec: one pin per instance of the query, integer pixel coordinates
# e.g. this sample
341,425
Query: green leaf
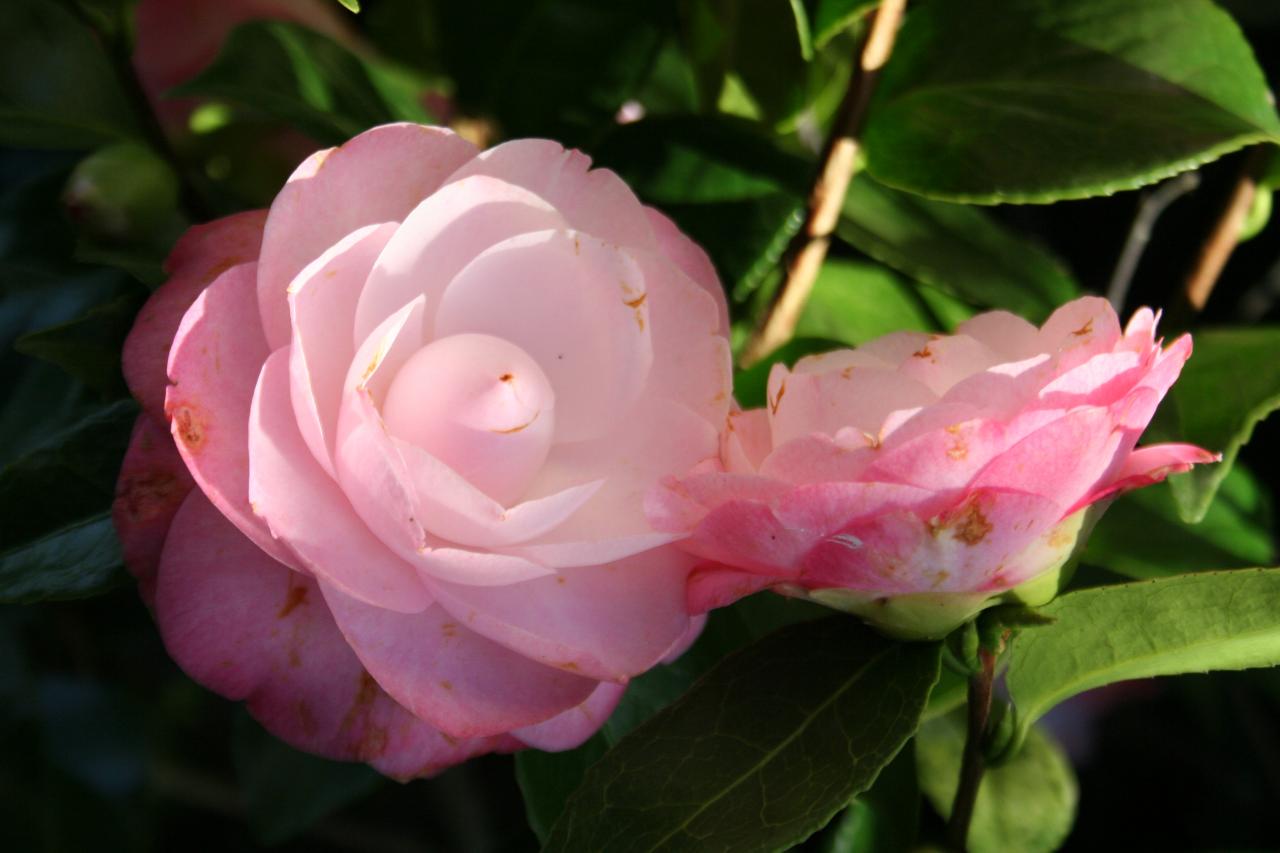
958,249
547,779
886,818
835,16
351,5
286,791
1230,384
993,101
57,86
1142,536
1189,623
88,347
853,302
55,525
1026,805
804,32
762,751
296,75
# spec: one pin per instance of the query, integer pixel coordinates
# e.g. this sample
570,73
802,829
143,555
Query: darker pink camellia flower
920,478
177,39
388,482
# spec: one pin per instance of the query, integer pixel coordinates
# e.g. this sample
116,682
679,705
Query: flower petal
446,674
249,628
379,176
571,728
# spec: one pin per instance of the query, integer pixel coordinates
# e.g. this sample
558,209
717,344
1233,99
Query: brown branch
974,763
840,160
1226,232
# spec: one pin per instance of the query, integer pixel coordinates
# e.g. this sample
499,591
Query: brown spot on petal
295,596
777,401
634,305
971,526
372,739
446,684
560,579
514,429
923,352
567,666
189,427
449,629
1059,537
506,377
1085,329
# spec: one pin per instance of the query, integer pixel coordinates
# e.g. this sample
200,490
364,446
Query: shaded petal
247,627
1151,464
607,622
1009,335
448,675
571,728
307,510
712,586
214,364
202,254
153,483
378,176
746,440
692,260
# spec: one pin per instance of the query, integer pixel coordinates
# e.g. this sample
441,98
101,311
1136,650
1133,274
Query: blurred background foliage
119,130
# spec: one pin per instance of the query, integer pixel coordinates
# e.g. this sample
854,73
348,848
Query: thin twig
1153,204
1226,232
973,764
826,198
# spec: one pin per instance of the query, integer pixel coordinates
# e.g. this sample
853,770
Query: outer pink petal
1007,334
712,586
692,261
592,200
213,366
569,729
379,176
1080,330
446,674
607,622
746,440
249,628
441,236
1151,464
801,403
307,510
203,254
692,363
153,483
960,550
322,302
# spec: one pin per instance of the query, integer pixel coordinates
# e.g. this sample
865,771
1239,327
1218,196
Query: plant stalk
826,198
974,763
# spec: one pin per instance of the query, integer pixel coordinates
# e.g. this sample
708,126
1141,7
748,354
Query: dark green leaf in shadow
886,818
762,751
835,16
88,347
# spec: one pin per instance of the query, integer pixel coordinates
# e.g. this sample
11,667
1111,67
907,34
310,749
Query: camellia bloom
417,407
920,478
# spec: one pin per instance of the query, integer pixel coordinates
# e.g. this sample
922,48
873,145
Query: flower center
479,404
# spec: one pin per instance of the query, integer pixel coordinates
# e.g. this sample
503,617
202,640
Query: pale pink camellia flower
919,478
417,406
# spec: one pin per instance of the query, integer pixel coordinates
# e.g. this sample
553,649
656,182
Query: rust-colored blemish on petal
449,739
1059,537
515,429
295,596
567,666
940,578
306,719
1084,330
777,401
449,629
923,352
506,377
846,373
560,579
189,427
635,305
446,684
372,739
971,526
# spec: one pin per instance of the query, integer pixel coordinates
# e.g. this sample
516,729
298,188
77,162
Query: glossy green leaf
762,751
1025,805
1142,535
835,16
547,779
804,31
286,791
296,75
1230,384
58,88
1188,623
351,5
884,819
958,249
994,101
56,537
